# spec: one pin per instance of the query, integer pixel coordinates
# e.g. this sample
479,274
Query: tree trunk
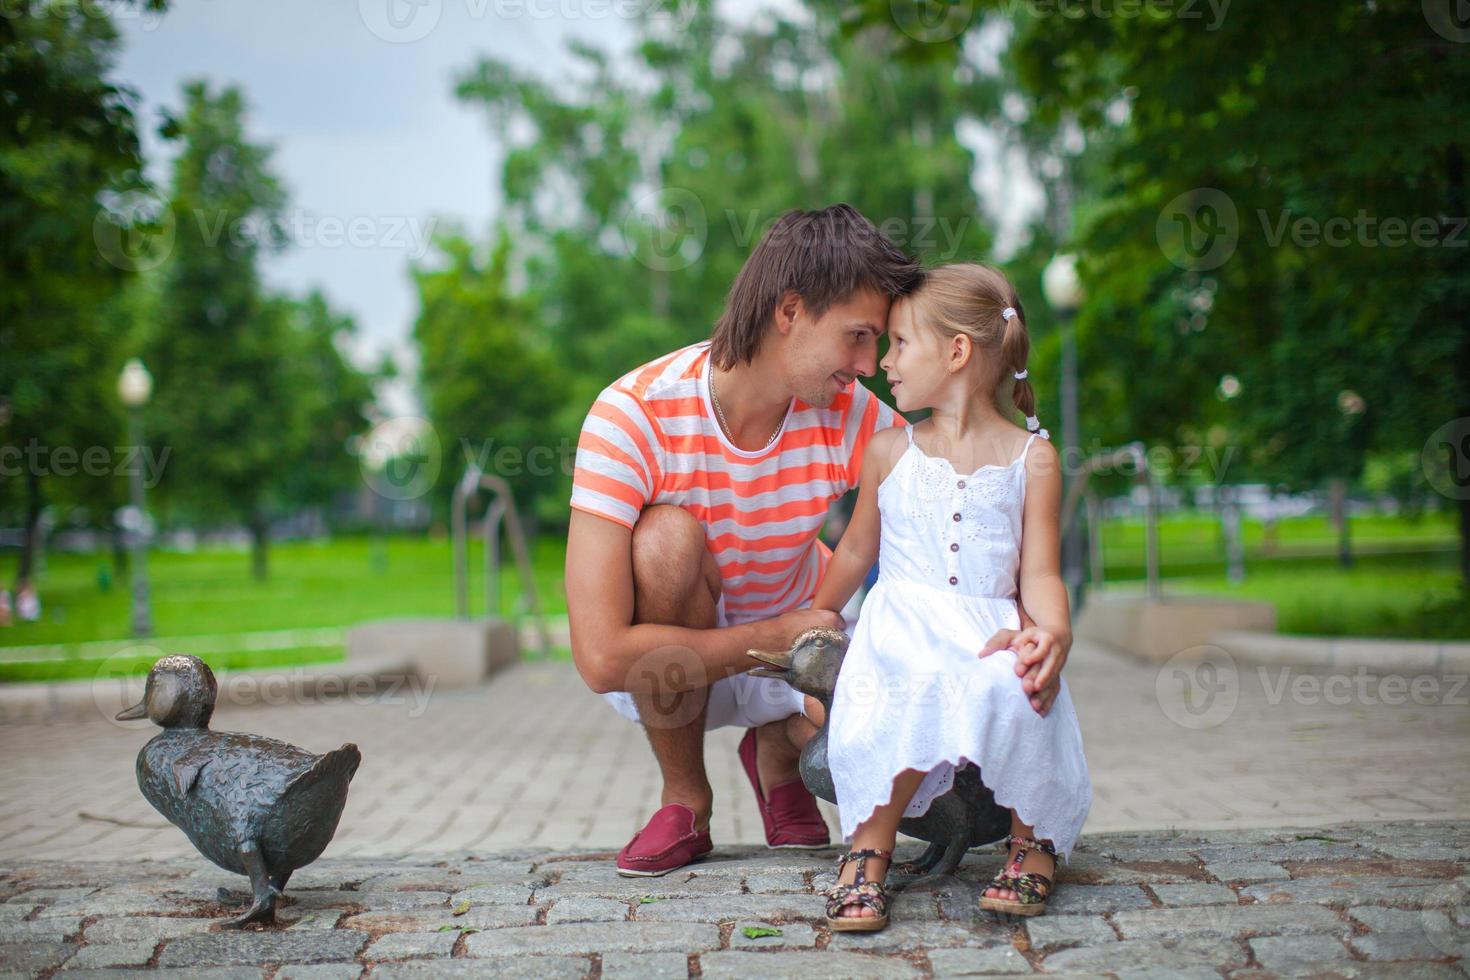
32,542
1338,490
1465,541
260,539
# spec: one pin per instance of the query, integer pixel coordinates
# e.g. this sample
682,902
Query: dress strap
910,430
1027,448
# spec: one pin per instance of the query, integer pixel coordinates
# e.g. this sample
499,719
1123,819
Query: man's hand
1040,657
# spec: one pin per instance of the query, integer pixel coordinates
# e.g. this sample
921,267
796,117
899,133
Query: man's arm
613,654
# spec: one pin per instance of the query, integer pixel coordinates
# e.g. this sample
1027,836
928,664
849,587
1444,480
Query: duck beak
778,663
139,710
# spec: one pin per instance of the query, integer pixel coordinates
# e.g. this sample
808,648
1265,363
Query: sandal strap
861,856
1044,846
1032,888
869,894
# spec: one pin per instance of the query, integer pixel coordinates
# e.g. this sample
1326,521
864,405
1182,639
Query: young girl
946,505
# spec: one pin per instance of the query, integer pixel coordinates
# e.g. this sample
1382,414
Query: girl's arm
858,548
1041,582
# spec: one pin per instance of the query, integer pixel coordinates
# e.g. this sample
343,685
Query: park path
533,759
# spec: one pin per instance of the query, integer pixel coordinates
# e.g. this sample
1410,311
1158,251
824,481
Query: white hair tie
1007,313
1021,374
1034,424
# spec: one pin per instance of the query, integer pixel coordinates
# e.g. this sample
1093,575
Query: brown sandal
861,891
1033,888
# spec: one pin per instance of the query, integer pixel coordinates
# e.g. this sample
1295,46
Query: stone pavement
533,759
1349,900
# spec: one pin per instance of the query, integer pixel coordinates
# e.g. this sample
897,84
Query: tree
69,138
1253,186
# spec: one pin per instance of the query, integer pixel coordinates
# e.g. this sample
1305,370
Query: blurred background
279,277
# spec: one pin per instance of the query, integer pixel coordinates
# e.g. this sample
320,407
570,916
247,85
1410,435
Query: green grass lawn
210,596
1405,583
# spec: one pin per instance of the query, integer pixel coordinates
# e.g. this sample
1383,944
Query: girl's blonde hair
971,299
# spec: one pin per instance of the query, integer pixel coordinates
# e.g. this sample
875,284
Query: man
702,479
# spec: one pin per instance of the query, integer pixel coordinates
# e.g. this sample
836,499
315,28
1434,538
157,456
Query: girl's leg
1036,860
880,831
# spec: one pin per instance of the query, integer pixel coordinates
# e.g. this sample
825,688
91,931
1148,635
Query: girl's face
915,362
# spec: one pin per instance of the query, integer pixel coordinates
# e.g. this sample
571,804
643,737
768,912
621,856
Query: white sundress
913,692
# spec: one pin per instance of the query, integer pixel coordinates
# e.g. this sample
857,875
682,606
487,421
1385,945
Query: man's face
828,353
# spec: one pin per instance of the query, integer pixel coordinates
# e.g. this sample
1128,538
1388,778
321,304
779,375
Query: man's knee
674,574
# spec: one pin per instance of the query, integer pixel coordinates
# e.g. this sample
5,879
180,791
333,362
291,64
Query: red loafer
790,814
666,842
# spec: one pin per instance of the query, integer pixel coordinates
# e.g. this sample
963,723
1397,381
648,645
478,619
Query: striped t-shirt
651,438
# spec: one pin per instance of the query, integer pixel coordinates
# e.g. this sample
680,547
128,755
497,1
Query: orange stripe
720,480
610,487
617,418
761,515
596,444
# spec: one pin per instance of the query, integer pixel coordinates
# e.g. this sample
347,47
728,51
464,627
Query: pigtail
1015,349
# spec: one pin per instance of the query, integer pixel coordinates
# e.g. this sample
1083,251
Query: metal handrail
1136,453
501,507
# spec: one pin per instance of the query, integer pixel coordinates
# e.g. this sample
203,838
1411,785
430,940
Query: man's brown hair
824,257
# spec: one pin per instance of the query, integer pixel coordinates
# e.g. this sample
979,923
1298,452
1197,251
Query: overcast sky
355,97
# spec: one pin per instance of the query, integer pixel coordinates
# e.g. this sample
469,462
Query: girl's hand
1040,656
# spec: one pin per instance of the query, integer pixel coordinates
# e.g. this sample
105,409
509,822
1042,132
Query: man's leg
676,582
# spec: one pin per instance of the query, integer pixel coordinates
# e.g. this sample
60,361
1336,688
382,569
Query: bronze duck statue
252,805
964,817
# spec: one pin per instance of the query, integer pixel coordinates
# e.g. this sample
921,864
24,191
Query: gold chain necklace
726,425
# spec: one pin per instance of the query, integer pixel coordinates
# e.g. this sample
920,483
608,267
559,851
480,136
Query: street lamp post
1064,294
134,387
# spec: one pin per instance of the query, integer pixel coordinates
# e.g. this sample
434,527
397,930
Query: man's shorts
739,699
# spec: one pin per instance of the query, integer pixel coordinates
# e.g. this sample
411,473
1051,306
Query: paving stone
39,930
911,936
1299,954
1354,890
1167,954
501,967
1096,870
49,896
1235,871
1194,893
131,928
311,919
731,907
411,945
1228,920
583,909
429,920
122,900
191,973
319,971
607,884
1097,899
770,882
978,962
1379,919
32,956
793,934
1294,850
96,955
386,901
257,948
1416,945
14,913
824,965
645,966
595,937
1068,930
507,893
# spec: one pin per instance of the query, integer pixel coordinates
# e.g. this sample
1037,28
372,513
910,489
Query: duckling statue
964,817
252,805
